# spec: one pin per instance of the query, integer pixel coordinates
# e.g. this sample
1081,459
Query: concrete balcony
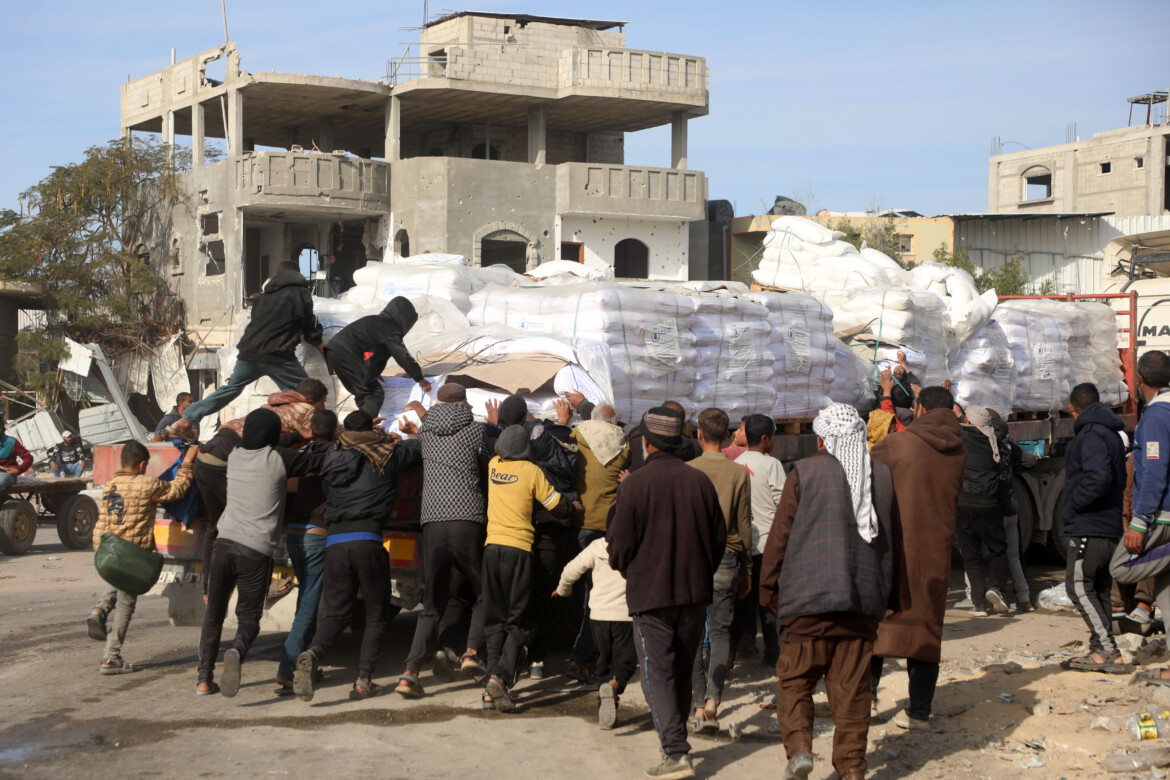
312,180
600,71
589,188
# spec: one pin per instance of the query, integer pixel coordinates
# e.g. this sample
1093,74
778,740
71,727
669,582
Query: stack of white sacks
799,254
1092,346
853,379
984,370
652,346
803,353
1039,346
733,339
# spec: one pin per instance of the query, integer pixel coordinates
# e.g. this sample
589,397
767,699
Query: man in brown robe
927,461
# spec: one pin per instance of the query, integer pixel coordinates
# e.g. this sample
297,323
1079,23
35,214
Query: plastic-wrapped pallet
852,379
1039,345
652,347
984,370
799,254
383,281
1092,346
898,316
802,350
733,339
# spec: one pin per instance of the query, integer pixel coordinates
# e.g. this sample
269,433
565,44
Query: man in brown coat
927,461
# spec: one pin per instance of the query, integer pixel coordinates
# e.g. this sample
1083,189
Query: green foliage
84,235
881,235
1008,278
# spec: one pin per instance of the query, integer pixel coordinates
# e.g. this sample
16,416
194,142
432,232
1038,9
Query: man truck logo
1155,331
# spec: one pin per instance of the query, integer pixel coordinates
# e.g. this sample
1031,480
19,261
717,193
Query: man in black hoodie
281,316
1094,492
360,482
359,352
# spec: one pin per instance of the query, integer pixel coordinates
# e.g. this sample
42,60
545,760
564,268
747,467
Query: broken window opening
1139,162
437,64
402,243
216,264
1106,167
1037,183
214,72
631,259
905,243
209,224
573,250
505,248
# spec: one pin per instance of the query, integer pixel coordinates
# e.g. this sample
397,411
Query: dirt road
62,719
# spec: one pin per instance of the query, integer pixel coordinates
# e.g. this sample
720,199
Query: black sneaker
95,625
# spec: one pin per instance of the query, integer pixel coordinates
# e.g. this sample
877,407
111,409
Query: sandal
409,687
1150,677
471,666
579,672
487,702
499,692
95,625
1140,616
211,688
116,666
364,688
1111,664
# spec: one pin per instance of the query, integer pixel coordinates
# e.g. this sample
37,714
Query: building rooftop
523,19
1026,215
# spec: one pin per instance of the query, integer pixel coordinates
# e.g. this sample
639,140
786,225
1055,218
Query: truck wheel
1054,549
75,521
18,527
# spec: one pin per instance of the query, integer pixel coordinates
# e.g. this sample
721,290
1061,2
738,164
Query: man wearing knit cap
455,454
667,506
828,571
249,534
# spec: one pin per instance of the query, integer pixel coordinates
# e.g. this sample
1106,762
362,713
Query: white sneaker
998,603
965,604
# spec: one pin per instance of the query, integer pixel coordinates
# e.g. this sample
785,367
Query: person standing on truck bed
359,352
667,505
455,455
360,482
249,534
127,509
14,459
1145,548
1094,492
281,317
927,461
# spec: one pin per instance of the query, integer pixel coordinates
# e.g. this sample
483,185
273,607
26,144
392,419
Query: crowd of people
685,549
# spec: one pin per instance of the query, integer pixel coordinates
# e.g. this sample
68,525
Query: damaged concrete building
498,137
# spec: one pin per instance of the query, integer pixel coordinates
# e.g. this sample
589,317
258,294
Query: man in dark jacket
688,448
828,572
667,506
281,317
359,352
360,481
455,454
1094,492
979,520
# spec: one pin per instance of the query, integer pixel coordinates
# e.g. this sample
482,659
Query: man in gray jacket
249,534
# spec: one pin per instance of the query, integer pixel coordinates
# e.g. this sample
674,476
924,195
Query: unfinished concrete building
1119,171
498,137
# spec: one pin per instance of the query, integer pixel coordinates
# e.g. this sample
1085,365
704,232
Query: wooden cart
29,503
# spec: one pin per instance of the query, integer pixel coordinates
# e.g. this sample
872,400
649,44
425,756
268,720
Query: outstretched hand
564,411
492,412
575,398
424,385
886,381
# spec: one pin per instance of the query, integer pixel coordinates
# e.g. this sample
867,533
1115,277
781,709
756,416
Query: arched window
1037,183
631,259
402,243
504,247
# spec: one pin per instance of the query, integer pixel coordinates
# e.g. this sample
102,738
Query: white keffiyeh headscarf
843,432
981,419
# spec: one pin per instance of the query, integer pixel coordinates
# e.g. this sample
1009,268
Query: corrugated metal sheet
103,424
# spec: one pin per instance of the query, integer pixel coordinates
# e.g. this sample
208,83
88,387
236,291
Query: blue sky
855,103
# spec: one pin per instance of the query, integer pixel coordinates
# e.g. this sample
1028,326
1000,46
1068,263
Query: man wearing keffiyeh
828,573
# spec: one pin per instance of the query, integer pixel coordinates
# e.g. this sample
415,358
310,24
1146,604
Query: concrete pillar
325,134
393,130
235,111
678,140
169,129
197,135
537,135
1156,173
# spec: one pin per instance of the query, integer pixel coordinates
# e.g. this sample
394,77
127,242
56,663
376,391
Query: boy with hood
14,459
455,454
281,316
249,534
927,461
359,352
360,482
515,486
1094,492
127,509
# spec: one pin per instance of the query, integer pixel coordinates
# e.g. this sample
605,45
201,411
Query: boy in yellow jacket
127,509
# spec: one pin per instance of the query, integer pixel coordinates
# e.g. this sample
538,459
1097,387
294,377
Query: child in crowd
613,632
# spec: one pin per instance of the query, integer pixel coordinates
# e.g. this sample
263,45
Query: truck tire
1054,550
76,518
18,527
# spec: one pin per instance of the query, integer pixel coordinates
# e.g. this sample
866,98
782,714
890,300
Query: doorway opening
505,248
631,259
